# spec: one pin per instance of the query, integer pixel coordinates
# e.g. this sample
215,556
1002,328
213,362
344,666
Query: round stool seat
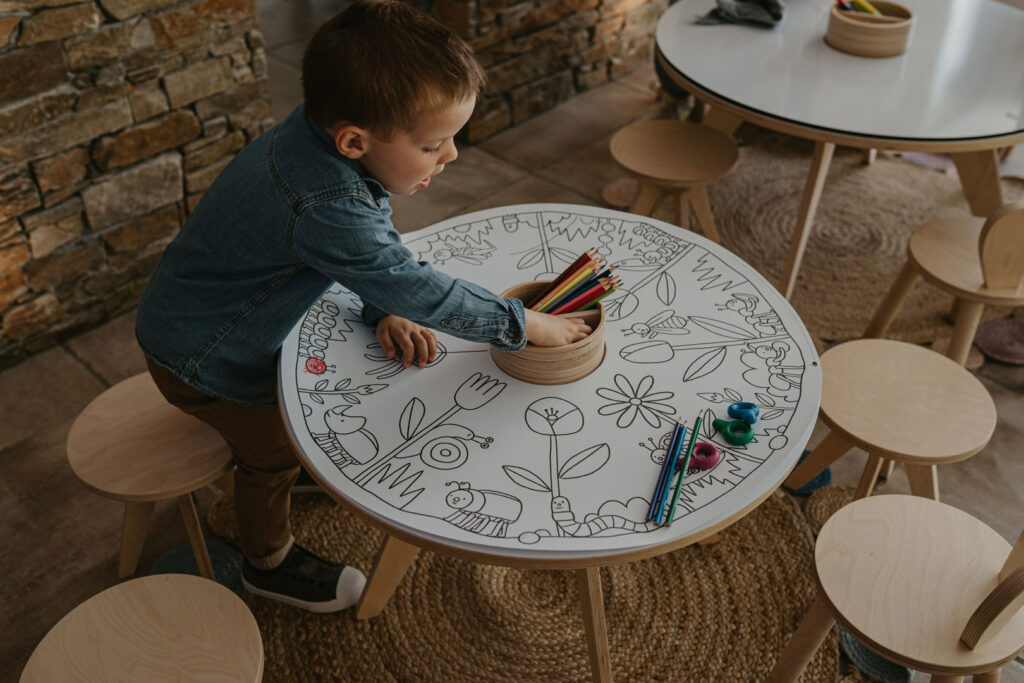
904,402
677,153
903,574
130,444
945,252
157,628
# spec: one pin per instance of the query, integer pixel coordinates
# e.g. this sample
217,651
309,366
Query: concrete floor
62,540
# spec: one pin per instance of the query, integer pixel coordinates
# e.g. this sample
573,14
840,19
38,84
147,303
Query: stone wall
115,116
540,53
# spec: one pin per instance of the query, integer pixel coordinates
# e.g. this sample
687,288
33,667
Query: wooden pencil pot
551,364
870,35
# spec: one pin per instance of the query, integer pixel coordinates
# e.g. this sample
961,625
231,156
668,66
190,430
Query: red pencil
585,256
573,304
596,264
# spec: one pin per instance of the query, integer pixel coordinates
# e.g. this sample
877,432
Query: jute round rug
720,612
859,237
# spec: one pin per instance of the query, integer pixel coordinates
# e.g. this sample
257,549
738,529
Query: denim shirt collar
376,189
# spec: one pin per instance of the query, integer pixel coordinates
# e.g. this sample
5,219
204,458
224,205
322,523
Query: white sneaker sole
350,588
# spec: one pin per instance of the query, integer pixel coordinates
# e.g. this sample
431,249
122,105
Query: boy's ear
351,141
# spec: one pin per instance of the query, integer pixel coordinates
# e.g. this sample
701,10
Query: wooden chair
131,445
168,627
902,402
978,261
679,157
918,582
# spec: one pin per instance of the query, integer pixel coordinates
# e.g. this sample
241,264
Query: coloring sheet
461,453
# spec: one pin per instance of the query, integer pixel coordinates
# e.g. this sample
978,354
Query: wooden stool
678,157
918,582
168,627
898,401
979,262
130,444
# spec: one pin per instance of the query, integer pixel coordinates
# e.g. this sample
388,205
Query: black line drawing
628,402
475,392
483,512
766,324
319,326
666,322
346,442
603,523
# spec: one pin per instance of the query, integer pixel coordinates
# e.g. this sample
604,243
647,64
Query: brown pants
266,464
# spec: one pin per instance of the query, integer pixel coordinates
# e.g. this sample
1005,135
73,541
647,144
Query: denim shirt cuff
514,338
371,314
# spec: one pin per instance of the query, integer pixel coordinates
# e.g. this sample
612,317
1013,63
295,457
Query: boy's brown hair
380,64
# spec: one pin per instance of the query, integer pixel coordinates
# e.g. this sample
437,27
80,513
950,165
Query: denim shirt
283,221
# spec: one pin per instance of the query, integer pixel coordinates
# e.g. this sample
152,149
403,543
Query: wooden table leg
392,561
808,206
804,642
831,448
195,535
979,176
940,678
719,119
592,604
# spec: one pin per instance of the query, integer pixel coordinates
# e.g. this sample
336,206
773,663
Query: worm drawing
562,513
483,512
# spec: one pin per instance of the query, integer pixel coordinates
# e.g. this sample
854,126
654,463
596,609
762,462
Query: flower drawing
628,402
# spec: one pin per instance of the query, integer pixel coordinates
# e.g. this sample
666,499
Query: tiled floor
61,541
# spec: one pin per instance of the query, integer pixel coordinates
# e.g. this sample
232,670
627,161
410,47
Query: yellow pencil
866,6
593,266
587,272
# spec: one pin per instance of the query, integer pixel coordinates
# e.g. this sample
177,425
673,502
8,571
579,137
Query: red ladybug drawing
315,366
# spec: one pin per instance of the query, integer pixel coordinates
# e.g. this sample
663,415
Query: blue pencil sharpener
745,411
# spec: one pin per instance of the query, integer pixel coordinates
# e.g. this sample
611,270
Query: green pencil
682,471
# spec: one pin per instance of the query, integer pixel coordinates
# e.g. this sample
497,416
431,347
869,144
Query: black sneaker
306,581
305,483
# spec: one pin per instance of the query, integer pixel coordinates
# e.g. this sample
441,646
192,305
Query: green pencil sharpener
736,432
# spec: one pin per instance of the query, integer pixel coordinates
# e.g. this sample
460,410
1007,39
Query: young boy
386,89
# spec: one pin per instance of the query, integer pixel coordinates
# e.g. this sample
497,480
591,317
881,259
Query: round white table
958,88
462,459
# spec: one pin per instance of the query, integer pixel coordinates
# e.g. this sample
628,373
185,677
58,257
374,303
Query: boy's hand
550,330
415,341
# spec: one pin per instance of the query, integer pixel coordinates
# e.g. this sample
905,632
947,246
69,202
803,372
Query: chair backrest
1002,602
1001,247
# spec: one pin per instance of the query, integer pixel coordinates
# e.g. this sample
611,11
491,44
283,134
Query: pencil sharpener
745,411
736,432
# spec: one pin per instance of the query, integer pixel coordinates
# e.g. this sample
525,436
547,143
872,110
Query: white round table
462,459
958,88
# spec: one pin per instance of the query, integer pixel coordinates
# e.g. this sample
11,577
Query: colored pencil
593,302
663,494
598,289
583,275
577,289
664,468
573,267
865,5
682,471
589,264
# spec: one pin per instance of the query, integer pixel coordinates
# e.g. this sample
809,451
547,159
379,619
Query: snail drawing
447,449
483,512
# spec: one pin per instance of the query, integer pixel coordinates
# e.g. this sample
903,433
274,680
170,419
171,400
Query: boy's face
408,161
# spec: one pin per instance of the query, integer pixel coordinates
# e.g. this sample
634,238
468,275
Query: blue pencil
664,469
663,494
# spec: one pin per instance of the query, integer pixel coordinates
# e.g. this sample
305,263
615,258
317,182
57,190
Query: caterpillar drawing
598,525
483,512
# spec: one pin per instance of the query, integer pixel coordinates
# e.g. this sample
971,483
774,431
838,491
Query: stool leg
719,119
968,315
870,155
890,305
987,677
805,642
592,604
195,535
831,448
392,561
698,197
939,678
645,201
682,208
136,521
924,480
886,471
808,205
868,477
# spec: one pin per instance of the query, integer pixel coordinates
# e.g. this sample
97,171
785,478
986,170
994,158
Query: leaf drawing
563,254
412,417
722,329
350,398
530,258
318,398
596,455
712,396
734,396
705,364
342,383
707,425
764,399
525,478
321,385
772,414
666,289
